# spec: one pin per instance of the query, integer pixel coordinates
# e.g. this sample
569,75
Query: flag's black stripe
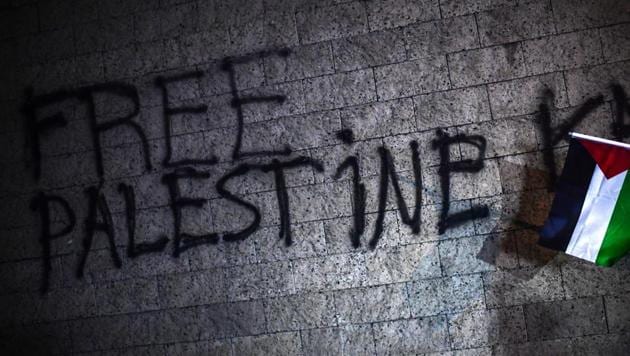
570,193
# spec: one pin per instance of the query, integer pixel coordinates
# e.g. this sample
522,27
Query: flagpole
600,140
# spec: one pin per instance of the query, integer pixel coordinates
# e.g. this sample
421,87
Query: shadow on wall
34,340
522,213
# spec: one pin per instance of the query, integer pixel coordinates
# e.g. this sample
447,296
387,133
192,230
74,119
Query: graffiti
42,203
37,127
620,130
170,111
553,136
98,204
388,174
135,249
359,196
184,241
442,143
181,169
238,101
277,168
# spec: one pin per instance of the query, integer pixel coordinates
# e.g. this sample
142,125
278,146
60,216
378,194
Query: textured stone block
179,19
615,42
511,24
256,281
573,15
365,305
566,51
403,263
477,254
216,321
58,304
181,290
338,238
396,13
165,326
453,107
308,240
530,254
89,334
459,7
245,318
325,23
333,156
277,279
339,90
145,26
127,296
441,37
522,96
296,132
293,102
617,313
430,218
400,148
244,21
222,347
487,65
479,351
369,50
411,336
411,78
302,62
466,185
321,201
568,318
503,137
116,32
586,83
487,327
507,288
390,236
273,344
77,168
330,272
562,347
300,311
345,340
244,282
596,123
25,276
280,28
611,344
379,119
582,279
511,211
446,295
231,217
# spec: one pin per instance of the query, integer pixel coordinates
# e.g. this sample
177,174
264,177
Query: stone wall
302,177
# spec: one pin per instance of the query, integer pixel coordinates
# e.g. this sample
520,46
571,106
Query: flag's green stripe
616,242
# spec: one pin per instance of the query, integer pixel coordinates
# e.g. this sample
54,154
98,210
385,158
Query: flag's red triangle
611,159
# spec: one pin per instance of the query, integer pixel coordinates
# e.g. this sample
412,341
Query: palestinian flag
590,214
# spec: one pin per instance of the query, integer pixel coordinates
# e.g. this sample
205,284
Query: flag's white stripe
597,210
599,139
587,205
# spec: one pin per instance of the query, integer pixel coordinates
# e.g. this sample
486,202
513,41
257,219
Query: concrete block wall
391,71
